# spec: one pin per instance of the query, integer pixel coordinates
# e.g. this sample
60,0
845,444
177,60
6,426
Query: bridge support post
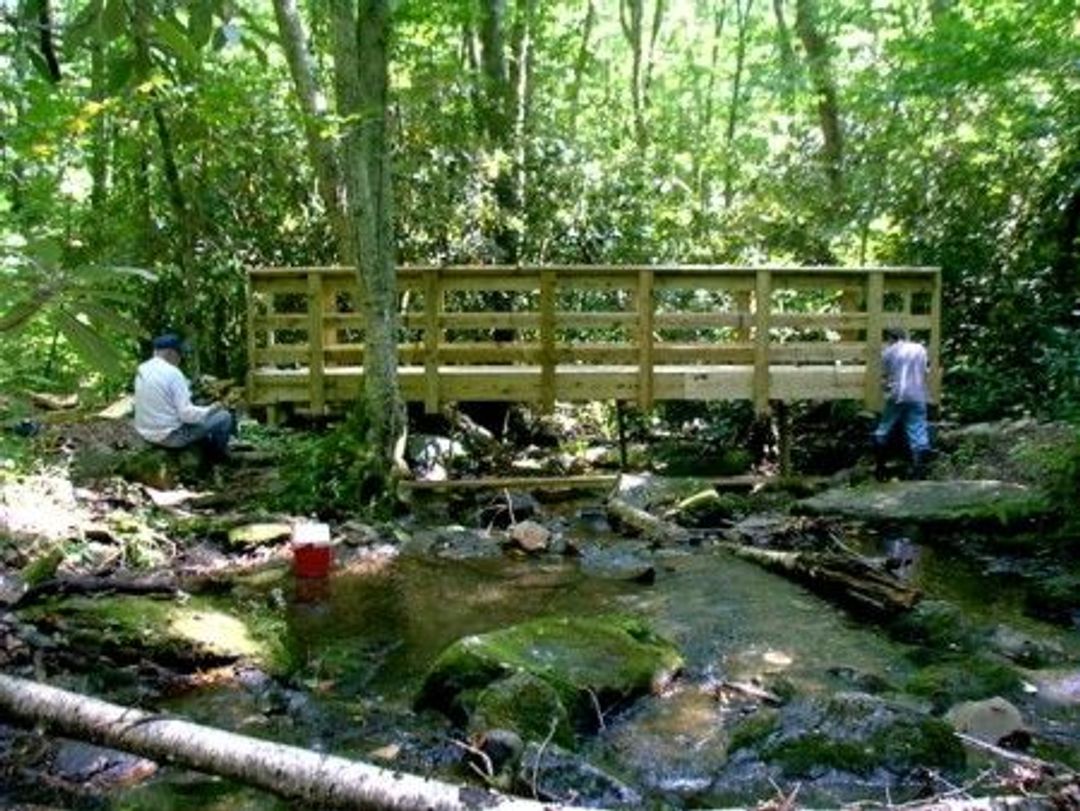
784,431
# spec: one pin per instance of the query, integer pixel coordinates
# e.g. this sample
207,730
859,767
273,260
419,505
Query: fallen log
291,772
164,586
651,528
839,576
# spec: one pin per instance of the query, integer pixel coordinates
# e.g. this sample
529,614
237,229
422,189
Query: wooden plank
273,321
762,306
596,482
729,283
645,307
603,320
547,341
433,298
316,361
711,320
841,322
875,292
479,320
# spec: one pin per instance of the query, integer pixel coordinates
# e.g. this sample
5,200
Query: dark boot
918,465
879,464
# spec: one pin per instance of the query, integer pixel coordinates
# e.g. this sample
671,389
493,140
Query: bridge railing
571,332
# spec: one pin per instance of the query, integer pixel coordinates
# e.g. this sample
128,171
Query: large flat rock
959,501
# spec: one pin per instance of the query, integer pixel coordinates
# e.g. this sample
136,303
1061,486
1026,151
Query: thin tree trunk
580,63
788,64
631,13
817,60
45,40
742,14
324,160
99,148
311,778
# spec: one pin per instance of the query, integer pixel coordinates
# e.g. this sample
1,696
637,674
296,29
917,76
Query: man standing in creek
904,368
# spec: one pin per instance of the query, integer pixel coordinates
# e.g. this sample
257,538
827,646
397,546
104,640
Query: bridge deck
574,333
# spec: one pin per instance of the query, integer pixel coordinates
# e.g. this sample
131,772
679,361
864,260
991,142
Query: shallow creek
363,642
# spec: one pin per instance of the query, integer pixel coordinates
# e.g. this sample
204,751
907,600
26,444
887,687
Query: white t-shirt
163,400
905,365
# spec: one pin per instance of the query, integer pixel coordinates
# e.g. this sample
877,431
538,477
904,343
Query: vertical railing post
249,290
935,338
432,332
875,294
742,307
316,359
646,307
762,296
547,340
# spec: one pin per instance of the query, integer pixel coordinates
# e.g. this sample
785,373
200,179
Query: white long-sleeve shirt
163,400
905,366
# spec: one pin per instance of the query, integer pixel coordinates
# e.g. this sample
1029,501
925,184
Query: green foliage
333,474
963,679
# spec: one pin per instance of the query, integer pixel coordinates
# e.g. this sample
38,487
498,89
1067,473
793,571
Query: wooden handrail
305,332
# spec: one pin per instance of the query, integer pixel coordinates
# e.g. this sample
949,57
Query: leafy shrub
334,473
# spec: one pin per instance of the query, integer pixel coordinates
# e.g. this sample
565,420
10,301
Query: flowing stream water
362,642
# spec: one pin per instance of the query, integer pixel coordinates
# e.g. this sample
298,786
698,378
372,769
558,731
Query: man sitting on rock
164,413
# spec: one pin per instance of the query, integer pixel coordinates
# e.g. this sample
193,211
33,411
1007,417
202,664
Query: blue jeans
213,432
912,416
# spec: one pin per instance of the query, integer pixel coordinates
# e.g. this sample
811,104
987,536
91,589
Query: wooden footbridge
541,334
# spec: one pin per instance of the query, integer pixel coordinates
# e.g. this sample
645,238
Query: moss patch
193,633
963,679
525,704
609,659
753,730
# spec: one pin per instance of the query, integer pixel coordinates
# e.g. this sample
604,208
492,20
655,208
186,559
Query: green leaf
84,25
105,316
121,70
94,349
201,22
173,36
21,313
114,20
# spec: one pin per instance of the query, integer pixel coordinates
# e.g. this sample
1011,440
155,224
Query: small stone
530,536
993,720
251,535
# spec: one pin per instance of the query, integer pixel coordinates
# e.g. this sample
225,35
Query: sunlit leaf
173,36
201,22
105,316
114,21
93,348
22,312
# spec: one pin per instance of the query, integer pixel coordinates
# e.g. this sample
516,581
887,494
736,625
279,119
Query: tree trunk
631,13
580,64
788,65
844,578
294,42
742,16
817,59
652,528
311,778
362,88
356,187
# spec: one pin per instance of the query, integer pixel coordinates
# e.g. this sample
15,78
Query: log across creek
299,774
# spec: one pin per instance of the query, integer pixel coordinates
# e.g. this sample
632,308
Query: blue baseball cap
170,340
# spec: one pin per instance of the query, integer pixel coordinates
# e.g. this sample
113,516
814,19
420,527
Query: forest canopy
152,150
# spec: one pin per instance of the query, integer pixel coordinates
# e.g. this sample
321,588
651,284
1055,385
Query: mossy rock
990,503
963,679
860,734
754,729
192,633
43,566
610,660
163,468
525,704
707,509
940,627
